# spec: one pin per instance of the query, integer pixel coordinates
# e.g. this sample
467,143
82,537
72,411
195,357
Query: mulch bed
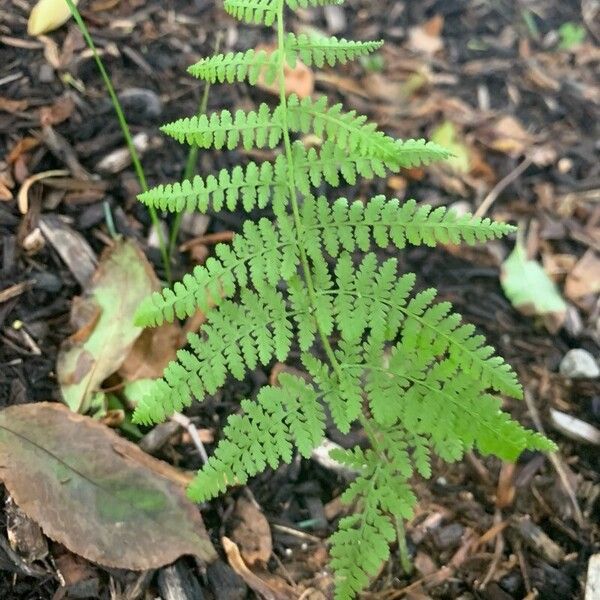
497,65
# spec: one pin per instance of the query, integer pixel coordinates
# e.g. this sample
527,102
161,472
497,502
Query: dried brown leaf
95,492
251,532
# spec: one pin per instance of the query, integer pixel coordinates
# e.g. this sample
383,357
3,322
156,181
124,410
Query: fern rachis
418,379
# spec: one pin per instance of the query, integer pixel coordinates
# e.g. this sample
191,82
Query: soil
496,72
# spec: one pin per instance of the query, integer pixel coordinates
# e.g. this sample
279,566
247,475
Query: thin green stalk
405,562
192,159
293,189
137,165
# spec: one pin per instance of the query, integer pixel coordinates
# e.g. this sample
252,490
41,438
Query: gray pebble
579,363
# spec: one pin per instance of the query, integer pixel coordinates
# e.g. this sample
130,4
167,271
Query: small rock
574,428
592,587
46,74
579,363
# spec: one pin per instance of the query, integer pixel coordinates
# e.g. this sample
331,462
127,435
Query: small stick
556,462
501,186
208,240
187,424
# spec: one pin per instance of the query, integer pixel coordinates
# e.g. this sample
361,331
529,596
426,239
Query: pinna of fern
378,351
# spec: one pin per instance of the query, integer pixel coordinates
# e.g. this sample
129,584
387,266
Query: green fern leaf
295,4
280,419
261,255
253,11
343,226
424,324
320,50
238,66
235,339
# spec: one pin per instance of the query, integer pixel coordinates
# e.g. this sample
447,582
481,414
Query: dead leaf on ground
251,532
152,352
299,80
12,106
57,112
510,137
23,146
426,38
95,492
124,277
531,290
584,279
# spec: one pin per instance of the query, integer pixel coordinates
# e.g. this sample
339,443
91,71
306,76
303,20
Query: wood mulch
483,529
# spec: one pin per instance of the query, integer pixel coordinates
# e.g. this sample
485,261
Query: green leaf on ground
104,318
95,492
531,290
447,136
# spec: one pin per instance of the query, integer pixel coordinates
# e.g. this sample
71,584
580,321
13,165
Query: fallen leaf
48,15
446,135
123,278
299,80
251,532
426,38
13,106
531,290
23,146
510,137
96,493
152,352
58,112
584,278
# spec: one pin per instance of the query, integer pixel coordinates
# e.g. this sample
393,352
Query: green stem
405,562
192,159
135,159
293,189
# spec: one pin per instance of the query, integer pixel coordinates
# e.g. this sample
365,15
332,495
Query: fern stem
293,188
192,159
405,561
135,159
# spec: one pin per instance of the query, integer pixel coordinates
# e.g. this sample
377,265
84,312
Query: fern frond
262,255
447,404
238,66
260,129
371,300
236,337
320,50
253,11
295,4
361,544
353,226
265,435
353,132
256,186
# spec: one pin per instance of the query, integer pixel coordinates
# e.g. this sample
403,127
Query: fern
419,380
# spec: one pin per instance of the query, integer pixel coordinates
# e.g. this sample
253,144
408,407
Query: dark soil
496,60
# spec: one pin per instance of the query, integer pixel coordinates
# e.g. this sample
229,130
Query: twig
501,186
556,462
498,550
187,424
208,240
